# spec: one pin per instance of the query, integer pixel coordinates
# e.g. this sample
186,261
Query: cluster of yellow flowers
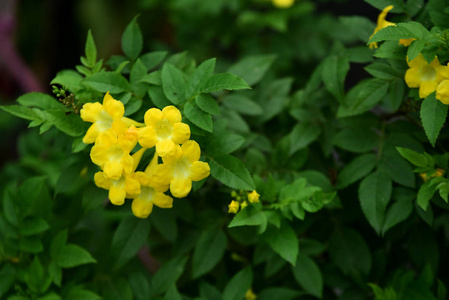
427,77
242,202
116,136
283,3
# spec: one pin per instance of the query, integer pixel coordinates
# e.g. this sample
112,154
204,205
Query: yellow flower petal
90,111
172,114
163,201
102,181
162,175
426,88
233,207
141,207
180,186
117,195
166,148
253,197
443,92
406,42
412,78
191,150
199,170
147,137
283,3
132,187
114,108
91,134
181,133
153,116
113,169
418,62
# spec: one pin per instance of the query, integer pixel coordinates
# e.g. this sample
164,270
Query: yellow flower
180,169
125,186
249,295
382,23
438,173
164,130
253,197
103,116
443,92
243,204
111,152
283,3
233,207
425,76
151,193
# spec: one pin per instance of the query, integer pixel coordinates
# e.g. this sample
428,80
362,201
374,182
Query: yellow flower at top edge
111,152
163,130
283,3
181,169
233,207
249,295
253,197
103,116
382,23
425,76
151,193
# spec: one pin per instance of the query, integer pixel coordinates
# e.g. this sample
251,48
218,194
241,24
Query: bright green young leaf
433,116
223,81
40,100
356,169
198,116
283,241
208,104
418,159
398,212
128,238
91,50
250,216
238,285
107,82
23,112
374,195
333,74
242,105
132,40
308,275
69,79
72,256
173,83
302,135
200,75
209,250
231,171
425,193
167,275
252,68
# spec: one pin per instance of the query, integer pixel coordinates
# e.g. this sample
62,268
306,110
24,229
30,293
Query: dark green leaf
308,275
242,105
209,250
72,256
152,59
333,73
198,116
252,68
107,82
238,285
167,275
356,139
173,83
356,169
132,40
207,103
224,144
433,116
283,241
398,212
200,75
231,172
425,193
302,135
223,81
418,159
32,226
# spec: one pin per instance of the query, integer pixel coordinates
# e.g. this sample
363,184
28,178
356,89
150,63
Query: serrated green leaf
357,139
425,193
333,74
40,100
107,82
418,159
167,275
91,50
208,104
415,49
249,216
224,144
308,275
173,83
243,105
132,40
198,117
72,256
231,171
283,241
70,124
157,96
382,71
23,112
392,33
356,169
209,250
69,79
223,81
302,135
374,195
238,285
252,68
200,75
398,212
152,59
433,115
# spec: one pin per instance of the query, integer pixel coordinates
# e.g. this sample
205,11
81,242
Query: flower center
164,129
115,153
146,193
428,73
181,168
104,121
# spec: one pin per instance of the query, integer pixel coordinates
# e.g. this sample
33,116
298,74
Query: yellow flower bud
253,197
233,207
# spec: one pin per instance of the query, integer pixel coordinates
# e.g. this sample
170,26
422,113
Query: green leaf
398,212
157,96
242,105
69,79
198,116
31,244
36,279
333,73
207,103
433,116
394,166
356,169
91,50
224,143
70,124
223,81
23,112
425,193
32,226
252,68
238,285
232,172
132,40
128,238
349,252
308,275
167,275
278,293
164,221
72,256
55,272
415,49
9,209
40,100
357,139
382,71
200,75
209,250
302,135
152,59
58,243
283,241
392,33
297,191
418,159
374,195
107,82
173,83
140,285
138,71
360,26
78,292
249,216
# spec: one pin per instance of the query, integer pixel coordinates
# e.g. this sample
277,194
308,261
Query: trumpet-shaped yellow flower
283,3
180,169
126,186
164,130
233,207
151,192
443,92
104,117
253,197
425,76
111,152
